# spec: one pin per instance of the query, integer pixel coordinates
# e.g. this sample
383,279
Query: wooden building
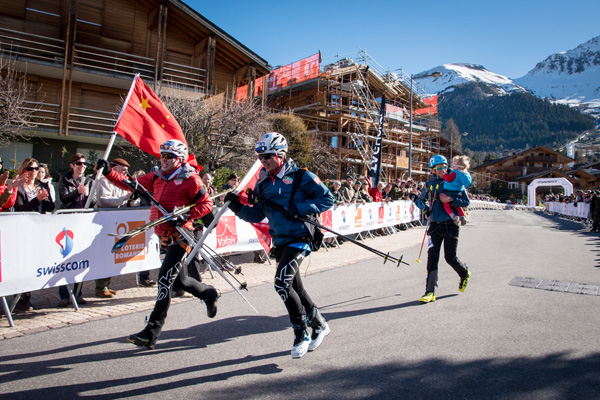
80,57
518,170
340,104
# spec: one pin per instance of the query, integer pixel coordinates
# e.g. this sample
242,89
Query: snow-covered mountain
456,74
569,77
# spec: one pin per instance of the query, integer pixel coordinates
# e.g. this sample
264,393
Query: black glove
207,219
179,220
252,199
103,165
234,204
292,212
426,210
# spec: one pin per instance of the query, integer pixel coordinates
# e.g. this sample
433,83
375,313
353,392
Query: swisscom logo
65,240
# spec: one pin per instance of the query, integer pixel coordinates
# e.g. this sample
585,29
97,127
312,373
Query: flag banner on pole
248,182
375,168
432,106
145,121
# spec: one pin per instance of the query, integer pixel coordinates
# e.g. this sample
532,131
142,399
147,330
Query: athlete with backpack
300,193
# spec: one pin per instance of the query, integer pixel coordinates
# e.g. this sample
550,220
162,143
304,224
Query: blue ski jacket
429,200
311,197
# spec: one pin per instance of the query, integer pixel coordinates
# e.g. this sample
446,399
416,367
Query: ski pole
422,243
187,235
272,204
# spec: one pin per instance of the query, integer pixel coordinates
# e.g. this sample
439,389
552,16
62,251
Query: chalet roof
261,64
541,174
538,149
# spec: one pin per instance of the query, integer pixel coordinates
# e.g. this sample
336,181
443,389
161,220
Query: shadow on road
563,224
559,375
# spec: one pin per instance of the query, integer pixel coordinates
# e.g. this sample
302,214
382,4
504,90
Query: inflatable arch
564,182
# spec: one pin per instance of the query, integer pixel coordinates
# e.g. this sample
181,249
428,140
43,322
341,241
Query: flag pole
253,170
111,141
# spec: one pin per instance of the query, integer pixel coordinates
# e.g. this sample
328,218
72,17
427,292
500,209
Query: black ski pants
172,276
288,284
445,233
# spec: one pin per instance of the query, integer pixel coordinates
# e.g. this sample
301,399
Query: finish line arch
564,182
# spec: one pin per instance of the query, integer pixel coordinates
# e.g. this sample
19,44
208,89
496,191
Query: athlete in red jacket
176,184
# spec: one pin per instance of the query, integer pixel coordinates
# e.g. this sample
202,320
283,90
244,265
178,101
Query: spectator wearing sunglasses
441,228
33,195
73,189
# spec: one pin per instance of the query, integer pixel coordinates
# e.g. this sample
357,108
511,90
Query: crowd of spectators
359,190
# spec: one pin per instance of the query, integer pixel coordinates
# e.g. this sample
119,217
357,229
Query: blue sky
507,37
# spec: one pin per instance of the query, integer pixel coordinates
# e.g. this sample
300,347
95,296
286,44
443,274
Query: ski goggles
167,156
442,168
265,156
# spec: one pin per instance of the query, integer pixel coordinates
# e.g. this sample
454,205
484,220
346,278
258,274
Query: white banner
582,210
42,251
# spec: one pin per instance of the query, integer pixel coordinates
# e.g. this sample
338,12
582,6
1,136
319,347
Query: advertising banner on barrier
581,210
42,251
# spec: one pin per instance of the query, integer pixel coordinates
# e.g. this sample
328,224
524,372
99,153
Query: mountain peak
454,74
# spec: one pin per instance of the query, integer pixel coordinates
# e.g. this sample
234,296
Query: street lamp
434,75
451,137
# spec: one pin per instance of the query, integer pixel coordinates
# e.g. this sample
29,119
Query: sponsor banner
582,210
299,71
42,251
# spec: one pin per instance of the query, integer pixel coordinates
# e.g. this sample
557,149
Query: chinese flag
145,121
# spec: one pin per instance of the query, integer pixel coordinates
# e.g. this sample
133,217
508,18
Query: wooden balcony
27,47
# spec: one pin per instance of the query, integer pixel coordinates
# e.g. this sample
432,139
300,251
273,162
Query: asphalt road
494,341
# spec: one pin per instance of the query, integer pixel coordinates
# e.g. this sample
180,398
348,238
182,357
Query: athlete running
175,184
291,236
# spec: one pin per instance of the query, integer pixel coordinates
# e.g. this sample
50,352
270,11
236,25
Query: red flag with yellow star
145,121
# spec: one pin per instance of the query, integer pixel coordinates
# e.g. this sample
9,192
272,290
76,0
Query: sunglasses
32,168
80,163
167,156
440,168
265,156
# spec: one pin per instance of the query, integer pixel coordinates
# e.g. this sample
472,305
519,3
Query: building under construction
341,103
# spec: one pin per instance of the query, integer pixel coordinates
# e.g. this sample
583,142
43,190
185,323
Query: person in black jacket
33,195
73,189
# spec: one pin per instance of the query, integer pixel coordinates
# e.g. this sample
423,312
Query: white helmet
176,147
271,143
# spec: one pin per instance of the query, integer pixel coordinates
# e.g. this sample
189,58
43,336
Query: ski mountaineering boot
320,328
428,297
464,282
301,340
147,337
211,303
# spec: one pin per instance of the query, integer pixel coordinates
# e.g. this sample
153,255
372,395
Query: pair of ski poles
198,245
278,207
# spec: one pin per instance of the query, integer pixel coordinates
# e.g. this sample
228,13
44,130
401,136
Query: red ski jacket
184,188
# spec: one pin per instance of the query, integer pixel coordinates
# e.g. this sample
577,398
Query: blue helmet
437,159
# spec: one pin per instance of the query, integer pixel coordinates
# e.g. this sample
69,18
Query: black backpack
316,234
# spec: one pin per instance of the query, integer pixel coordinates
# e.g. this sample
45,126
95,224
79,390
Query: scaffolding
342,106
